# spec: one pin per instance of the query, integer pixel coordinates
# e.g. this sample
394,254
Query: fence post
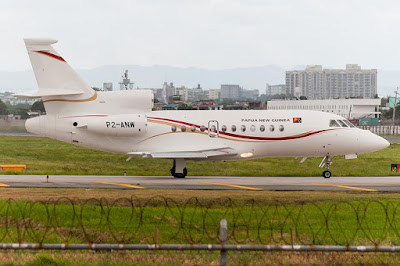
223,230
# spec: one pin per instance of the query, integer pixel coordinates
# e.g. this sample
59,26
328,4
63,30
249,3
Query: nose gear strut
326,162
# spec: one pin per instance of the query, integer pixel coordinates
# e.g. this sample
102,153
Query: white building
275,89
317,83
348,108
212,94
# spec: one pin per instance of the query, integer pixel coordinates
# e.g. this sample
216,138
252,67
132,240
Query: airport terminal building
348,108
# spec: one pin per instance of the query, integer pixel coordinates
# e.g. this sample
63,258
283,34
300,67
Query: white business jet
123,122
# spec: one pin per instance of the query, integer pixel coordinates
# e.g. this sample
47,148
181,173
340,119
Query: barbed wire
161,220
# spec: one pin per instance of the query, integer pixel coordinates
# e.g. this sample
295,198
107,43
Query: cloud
210,34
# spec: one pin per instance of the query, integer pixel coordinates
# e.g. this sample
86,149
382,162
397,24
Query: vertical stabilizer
53,74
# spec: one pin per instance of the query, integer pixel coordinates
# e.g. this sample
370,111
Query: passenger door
213,129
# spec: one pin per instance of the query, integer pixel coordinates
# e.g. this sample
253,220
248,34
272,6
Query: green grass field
352,220
46,156
262,217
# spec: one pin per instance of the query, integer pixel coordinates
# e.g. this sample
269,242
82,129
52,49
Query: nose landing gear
326,162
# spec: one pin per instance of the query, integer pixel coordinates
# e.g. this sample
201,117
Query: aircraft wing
200,154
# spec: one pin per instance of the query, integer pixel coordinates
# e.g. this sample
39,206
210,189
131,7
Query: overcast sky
214,34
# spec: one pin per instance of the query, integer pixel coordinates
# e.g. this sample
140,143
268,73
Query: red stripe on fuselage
51,55
248,137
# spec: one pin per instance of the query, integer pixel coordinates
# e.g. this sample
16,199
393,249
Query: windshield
333,123
348,123
342,123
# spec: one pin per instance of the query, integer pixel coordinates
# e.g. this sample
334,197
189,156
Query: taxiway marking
117,184
332,185
4,185
231,185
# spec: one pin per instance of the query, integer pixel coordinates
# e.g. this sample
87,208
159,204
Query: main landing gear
178,169
326,162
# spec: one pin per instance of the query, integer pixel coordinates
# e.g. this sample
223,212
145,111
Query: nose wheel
326,162
326,174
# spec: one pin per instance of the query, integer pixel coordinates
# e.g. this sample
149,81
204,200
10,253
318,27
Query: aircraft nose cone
382,143
370,142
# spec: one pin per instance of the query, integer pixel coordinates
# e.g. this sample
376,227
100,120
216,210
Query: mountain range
155,76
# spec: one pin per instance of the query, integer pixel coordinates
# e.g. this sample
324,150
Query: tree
3,108
38,107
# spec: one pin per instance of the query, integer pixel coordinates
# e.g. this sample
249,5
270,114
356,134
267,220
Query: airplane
123,122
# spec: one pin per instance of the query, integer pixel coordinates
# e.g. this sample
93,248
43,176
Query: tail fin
53,74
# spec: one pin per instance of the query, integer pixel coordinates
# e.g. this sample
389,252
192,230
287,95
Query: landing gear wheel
327,174
178,175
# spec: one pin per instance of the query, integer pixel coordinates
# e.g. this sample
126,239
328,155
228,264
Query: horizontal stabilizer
202,154
49,92
54,75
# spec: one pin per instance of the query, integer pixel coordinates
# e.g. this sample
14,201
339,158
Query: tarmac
366,184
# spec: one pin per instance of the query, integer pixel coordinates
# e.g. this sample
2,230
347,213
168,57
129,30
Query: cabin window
233,128
223,128
342,123
202,128
253,128
243,128
281,128
272,128
183,128
348,123
173,128
333,123
262,128
193,128
213,128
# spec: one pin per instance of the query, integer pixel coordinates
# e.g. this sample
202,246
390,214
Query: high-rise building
317,83
275,89
230,92
169,91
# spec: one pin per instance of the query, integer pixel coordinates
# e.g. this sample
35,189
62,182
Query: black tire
327,174
179,175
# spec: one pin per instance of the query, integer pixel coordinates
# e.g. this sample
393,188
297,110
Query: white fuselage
176,131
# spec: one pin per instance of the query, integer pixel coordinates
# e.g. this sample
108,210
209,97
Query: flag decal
296,119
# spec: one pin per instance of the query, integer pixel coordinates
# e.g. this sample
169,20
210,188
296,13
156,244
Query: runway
366,184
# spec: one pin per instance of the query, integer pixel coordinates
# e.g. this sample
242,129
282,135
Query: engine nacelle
118,125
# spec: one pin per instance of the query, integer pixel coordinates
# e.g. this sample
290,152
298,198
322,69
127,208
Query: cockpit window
333,123
342,123
348,123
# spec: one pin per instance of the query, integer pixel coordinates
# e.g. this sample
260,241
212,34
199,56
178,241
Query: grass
171,220
197,258
44,156
241,197
162,220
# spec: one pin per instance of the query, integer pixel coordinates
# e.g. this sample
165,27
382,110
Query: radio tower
126,83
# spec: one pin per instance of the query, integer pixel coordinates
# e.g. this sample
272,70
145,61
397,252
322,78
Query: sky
214,34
